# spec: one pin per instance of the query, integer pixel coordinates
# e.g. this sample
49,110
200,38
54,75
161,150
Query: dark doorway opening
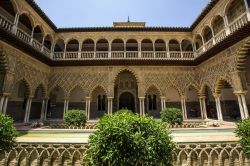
127,101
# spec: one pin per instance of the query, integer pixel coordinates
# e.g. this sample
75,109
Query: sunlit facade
204,69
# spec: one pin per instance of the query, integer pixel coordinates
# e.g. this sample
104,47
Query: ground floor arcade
225,105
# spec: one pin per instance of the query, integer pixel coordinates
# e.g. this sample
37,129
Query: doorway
127,101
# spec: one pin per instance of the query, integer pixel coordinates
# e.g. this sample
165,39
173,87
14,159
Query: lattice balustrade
72,154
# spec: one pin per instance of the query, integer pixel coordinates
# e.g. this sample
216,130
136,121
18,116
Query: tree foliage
125,139
7,133
172,116
243,131
75,118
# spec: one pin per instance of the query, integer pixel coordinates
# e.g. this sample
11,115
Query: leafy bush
243,131
172,116
7,133
125,139
75,118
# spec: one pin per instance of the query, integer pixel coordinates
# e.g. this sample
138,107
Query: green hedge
126,139
76,118
7,133
243,131
172,116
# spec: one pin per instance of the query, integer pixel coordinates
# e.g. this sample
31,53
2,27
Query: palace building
203,69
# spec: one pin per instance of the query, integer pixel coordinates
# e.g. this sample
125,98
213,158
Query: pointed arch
242,54
33,157
99,101
54,158
153,101
233,9
76,158
65,158
220,83
27,86
56,103
101,87
44,157
43,90
116,74
26,22
154,87
10,9
192,102
78,87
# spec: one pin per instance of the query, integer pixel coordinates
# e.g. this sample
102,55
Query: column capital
4,94
141,98
30,97
163,97
110,98
202,97
183,97
216,95
237,93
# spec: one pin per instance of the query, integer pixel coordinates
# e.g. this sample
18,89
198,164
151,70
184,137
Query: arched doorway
18,100
127,101
99,103
126,92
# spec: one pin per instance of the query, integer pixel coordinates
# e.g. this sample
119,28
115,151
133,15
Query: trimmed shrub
7,133
126,139
172,116
243,131
76,118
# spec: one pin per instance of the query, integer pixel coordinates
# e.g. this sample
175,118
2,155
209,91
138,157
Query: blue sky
99,13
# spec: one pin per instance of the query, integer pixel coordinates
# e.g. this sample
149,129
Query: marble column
5,103
218,107
242,114
242,105
46,108
27,109
203,107
66,105
2,103
42,110
142,107
183,107
87,107
163,103
110,105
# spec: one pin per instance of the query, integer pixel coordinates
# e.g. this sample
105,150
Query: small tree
243,131
7,133
75,118
172,116
125,139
